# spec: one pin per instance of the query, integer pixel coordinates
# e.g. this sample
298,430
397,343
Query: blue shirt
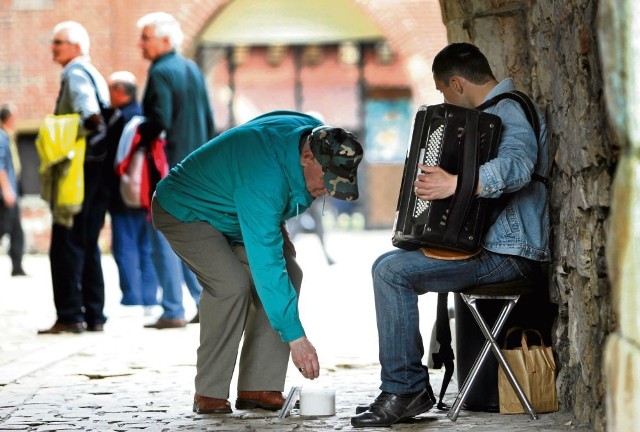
6,162
522,228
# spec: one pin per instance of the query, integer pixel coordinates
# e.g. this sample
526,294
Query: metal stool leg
490,343
500,357
471,376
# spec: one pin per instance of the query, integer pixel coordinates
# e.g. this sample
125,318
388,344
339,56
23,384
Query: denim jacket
522,228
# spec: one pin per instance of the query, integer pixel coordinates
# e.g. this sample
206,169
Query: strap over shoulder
530,112
525,102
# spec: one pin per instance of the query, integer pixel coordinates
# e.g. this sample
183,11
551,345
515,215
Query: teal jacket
245,183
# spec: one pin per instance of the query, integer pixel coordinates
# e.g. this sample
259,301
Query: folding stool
509,293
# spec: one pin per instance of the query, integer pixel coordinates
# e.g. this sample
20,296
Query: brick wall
29,78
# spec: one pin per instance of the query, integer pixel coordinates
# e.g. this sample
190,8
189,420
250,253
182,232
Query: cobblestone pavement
131,378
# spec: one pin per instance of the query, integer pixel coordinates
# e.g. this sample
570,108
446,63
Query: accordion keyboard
429,156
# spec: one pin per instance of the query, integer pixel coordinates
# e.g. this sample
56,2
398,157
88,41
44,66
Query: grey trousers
229,310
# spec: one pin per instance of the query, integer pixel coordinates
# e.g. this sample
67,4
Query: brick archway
421,35
30,80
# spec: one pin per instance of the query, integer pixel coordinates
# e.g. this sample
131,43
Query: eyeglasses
58,42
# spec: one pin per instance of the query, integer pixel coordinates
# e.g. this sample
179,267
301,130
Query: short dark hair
5,113
462,59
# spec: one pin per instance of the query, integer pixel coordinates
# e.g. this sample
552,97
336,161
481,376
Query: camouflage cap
339,153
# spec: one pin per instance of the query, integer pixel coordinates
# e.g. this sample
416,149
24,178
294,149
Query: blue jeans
171,272
399,277
132,251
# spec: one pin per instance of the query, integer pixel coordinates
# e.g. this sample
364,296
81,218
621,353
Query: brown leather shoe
162,324
59,327
269,400
207,405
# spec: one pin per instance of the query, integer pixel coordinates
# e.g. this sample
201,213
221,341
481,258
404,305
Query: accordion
458,140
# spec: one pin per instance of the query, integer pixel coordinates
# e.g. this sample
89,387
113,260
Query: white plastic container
317,402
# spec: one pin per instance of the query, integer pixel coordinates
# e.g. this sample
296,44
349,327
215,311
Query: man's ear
166,43
457,84
76,49
306,155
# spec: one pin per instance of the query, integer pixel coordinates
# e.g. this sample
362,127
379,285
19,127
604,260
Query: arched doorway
328,57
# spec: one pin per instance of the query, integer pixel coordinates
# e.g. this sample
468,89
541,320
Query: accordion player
458,140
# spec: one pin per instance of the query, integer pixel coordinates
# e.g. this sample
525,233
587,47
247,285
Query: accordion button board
458,140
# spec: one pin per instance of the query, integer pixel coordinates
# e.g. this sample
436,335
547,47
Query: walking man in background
76,268
175,103
8,187
130,227
16,234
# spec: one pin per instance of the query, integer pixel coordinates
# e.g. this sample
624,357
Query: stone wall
551,51
617,25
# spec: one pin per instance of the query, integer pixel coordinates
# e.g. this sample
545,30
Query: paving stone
130,378
58,428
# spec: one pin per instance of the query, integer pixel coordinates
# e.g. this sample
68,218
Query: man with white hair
175,102
76,269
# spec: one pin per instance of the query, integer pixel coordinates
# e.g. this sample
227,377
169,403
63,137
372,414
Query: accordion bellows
458,140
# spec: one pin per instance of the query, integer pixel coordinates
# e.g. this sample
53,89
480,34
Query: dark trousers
16,247
76,268
8,216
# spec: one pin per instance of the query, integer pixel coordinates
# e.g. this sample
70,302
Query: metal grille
429,156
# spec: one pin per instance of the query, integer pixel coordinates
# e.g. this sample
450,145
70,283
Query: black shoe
18,272
95,327
390,408
364,408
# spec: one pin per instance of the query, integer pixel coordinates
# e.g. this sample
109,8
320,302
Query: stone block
623,253
622,370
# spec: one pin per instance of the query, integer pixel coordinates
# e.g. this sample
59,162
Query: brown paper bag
535,370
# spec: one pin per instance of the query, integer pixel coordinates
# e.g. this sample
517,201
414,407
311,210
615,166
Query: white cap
123,76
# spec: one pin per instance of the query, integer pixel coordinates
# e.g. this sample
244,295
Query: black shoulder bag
99,142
